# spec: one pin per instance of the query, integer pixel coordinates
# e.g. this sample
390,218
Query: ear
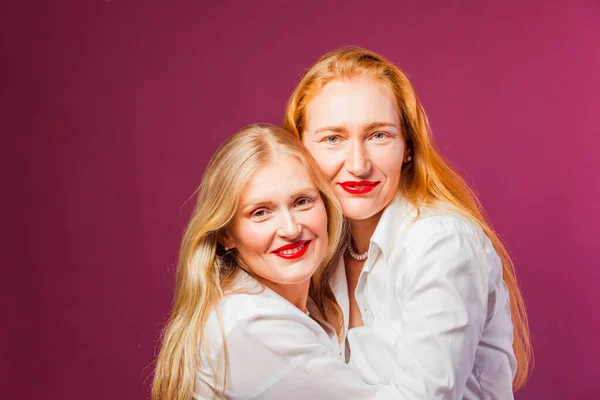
227,240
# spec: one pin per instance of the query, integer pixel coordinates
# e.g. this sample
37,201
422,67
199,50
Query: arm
444,302
281,357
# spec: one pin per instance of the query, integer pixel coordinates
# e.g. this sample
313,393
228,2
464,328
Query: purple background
111,109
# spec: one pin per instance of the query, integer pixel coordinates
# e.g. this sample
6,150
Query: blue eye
332,139
379,135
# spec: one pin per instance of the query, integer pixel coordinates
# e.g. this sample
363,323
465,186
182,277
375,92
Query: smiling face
353,132
280,229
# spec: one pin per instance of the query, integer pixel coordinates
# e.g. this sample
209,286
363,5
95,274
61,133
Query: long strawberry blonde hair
429,177
206,272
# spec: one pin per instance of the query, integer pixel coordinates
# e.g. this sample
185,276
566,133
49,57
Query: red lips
360,187
293,250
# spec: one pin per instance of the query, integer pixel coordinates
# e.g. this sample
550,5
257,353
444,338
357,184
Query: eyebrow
368,127
258,202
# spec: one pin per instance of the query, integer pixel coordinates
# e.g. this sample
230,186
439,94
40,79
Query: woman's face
280,229
353,132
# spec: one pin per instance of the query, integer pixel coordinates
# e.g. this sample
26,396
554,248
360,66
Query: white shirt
275,352
435,309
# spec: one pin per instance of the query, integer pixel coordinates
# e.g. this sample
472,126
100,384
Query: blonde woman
427,288
254,316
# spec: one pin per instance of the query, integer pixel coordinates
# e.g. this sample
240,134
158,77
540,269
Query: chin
301,273
359,209
295,279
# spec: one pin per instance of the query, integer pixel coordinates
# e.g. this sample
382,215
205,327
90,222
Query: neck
362,230
296,293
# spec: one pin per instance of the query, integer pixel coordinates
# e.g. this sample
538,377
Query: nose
289,228
357,161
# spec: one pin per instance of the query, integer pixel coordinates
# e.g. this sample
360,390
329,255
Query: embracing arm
281,357
444,294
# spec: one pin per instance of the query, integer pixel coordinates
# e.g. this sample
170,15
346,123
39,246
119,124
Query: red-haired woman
432,307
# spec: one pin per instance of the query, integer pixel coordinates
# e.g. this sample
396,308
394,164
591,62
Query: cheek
252,238
317,221
394,169
390,161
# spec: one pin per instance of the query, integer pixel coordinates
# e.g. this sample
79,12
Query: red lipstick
293,250
360,187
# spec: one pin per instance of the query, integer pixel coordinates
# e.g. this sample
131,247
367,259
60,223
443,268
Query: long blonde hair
206,273
429,177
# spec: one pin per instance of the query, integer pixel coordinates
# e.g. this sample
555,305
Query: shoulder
449,224
264,322
262,337
241,318
402,223
440,231
440,221
238,309
259,314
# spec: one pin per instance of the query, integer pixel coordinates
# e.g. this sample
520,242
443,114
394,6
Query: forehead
281,177
352,102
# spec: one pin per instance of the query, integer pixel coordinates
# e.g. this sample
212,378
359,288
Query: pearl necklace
357,257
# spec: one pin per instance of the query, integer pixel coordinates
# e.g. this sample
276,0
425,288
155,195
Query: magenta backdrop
111,109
